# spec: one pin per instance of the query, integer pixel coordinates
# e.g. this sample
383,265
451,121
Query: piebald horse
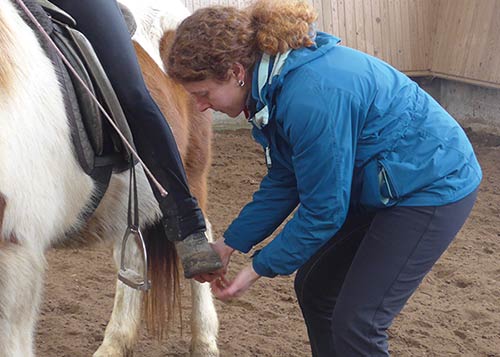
43,190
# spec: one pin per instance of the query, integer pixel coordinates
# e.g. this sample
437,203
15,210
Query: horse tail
164,265
163,299
7,48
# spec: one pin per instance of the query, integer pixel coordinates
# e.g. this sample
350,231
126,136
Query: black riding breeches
353,287
102,23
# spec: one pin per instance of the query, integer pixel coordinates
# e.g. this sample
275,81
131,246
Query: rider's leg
102,23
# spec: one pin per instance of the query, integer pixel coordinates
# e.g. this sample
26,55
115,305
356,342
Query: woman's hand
225,253
225,290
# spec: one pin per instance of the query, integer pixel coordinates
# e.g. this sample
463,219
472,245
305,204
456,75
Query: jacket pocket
377,190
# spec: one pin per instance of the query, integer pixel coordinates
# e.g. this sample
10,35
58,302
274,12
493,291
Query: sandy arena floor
455,312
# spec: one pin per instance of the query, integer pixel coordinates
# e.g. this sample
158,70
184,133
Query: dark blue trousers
353,287
102,23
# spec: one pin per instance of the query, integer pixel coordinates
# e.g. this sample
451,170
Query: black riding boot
194,251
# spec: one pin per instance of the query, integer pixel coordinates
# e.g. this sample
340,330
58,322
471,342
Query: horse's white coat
39,175
45,190
153,18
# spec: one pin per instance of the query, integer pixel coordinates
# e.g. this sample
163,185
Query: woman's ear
238,71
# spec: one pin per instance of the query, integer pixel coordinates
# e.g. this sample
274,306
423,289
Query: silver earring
241,83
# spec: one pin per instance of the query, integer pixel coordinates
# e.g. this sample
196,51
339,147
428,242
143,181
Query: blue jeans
353,287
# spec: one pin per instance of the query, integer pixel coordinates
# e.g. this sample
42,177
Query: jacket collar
270,71
267,69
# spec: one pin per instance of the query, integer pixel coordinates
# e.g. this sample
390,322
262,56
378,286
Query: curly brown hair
212,39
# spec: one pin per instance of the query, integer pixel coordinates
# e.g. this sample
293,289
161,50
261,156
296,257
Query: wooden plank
457,35
489,54
481,25
406,43
335,18
441,39
350,35
369,31
424,47
327,16
416,57
378,48
376,29
387,34
317,4
495,47
428,22
342,21
466,19
359,25
395,30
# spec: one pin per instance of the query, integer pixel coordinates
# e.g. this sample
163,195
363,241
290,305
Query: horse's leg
21,283
204,320
122,329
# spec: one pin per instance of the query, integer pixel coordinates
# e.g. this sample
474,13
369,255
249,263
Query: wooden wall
397,31
467,41
454,39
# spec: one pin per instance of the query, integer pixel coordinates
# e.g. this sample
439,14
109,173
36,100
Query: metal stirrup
126,275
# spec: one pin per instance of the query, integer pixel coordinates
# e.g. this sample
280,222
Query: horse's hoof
204,349
108,351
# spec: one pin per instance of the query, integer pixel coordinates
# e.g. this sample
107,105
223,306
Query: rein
51,43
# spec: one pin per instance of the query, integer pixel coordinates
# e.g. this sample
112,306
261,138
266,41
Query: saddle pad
85,118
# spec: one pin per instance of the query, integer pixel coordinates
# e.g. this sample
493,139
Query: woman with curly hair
383,177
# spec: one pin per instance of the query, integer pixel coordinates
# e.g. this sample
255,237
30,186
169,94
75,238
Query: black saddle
98,148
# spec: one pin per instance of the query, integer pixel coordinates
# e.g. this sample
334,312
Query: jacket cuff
232,240
261,268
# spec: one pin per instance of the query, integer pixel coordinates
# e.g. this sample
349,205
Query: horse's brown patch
192,131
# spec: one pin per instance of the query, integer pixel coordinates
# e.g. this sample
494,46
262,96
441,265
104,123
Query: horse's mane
153,19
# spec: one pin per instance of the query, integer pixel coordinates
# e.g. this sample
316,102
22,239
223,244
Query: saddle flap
96,143
105,91
90,115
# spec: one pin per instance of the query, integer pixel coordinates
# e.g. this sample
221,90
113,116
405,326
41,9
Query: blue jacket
345,129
